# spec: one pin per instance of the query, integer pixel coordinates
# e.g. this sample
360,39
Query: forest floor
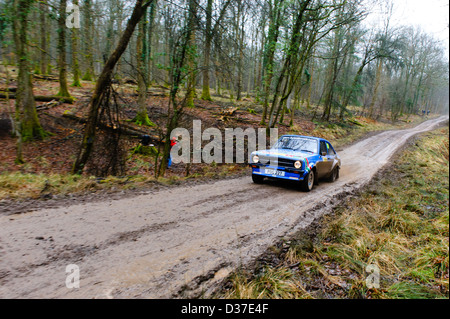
45,176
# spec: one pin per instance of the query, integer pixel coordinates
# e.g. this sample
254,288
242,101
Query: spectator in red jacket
173,142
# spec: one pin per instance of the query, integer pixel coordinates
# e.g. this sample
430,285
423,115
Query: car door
331,156
325,162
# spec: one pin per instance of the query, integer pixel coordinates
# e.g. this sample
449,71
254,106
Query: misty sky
431,15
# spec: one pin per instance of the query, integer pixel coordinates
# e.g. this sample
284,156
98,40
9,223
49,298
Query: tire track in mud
75,253
177,242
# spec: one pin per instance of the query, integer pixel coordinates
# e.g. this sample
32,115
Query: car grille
276,161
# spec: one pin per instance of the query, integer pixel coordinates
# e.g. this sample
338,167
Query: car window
297,144
323,148
330,149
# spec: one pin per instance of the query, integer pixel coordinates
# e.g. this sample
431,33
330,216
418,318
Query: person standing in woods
173,142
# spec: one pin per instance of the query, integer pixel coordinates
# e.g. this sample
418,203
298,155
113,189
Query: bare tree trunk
375,90
150,32
15,122
332,77
43,31
89,55
308,100
30,127
241,62
292,66
103,82
175,109
258,67
63,88
75,61
252,58
192,65
269,55
293,104
142,115
210,33
206,95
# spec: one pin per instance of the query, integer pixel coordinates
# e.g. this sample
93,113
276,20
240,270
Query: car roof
311,137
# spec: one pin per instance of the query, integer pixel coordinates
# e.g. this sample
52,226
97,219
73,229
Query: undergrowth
25,183
19,185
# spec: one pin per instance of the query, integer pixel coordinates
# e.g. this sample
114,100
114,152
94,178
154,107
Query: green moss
143,119
87,76
206,96
76,83
32,132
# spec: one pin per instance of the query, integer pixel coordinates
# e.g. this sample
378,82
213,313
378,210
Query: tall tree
30,127
192,55
370,53
150,32
304,35
103,82
142,70
334,66
62,65
275,20
240,36
388,7
89,45
44,34
207,54
179,59
210,32
75,61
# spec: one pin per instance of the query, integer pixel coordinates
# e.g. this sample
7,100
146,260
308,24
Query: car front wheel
308,182
334,174
257,179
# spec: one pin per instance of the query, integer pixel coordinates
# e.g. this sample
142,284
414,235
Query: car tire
257,179
334,175
308,182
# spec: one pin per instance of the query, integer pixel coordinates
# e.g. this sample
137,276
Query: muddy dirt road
171,243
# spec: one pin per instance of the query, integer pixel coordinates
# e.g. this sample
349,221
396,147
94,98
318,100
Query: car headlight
298,165
255,159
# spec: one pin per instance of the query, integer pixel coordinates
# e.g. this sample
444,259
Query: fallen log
124,128
356,122
229,111
150,93
48,105
46,77
13,90
42,98
156,93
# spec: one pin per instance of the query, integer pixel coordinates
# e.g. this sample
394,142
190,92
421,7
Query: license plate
274,172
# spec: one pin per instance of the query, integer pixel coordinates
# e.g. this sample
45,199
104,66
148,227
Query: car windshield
297,144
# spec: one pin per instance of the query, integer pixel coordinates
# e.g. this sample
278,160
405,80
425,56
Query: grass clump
271,283
19,185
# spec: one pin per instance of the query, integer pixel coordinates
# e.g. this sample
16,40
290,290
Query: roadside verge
397,224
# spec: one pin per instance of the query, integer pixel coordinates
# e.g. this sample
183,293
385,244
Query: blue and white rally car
299,158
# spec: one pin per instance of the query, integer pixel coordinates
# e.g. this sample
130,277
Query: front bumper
288,173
